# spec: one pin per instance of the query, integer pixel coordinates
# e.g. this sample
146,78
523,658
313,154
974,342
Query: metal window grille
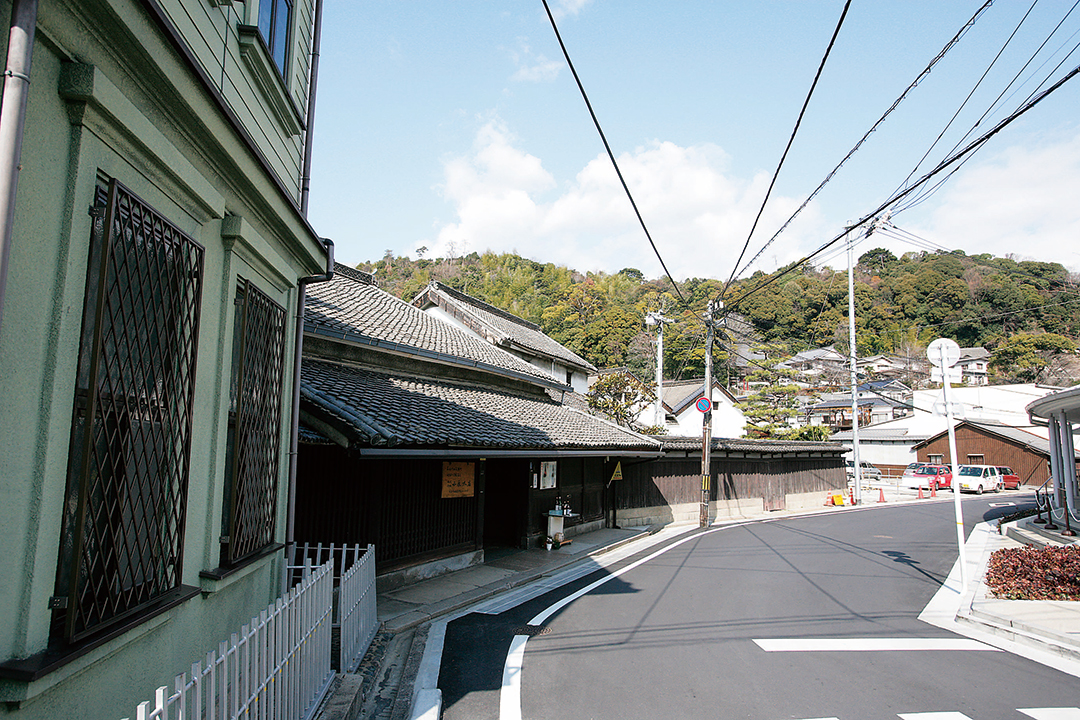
122,546
255,424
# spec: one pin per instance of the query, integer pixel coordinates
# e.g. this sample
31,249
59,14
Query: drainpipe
294,430
12,121
305,177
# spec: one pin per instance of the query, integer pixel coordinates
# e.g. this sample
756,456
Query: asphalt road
754,621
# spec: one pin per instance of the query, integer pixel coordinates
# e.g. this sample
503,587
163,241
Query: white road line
934,716
510,697
870,644
1062,713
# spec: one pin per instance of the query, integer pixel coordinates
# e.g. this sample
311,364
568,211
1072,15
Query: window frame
256,407
278,39
122,538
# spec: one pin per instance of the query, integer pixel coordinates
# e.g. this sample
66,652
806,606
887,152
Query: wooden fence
280,665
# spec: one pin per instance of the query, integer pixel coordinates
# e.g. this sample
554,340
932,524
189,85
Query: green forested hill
1022,311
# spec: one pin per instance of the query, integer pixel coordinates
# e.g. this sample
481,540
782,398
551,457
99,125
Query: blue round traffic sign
704,404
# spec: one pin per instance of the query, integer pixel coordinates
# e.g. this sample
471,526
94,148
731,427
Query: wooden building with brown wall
982,443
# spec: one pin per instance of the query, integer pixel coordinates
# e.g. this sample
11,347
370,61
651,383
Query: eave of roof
351,309
387,414
505,328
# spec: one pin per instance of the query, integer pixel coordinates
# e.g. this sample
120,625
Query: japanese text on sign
457,479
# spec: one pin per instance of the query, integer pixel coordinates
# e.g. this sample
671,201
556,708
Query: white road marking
510,697
934,716
869,644
1062,713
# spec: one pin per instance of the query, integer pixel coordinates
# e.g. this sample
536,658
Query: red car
1010,479
925,475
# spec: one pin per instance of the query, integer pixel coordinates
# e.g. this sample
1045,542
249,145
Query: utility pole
658,319
706,422
856,468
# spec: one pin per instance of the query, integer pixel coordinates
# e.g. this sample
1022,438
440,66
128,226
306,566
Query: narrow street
812,617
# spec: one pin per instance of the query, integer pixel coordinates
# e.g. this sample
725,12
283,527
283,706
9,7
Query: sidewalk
383,686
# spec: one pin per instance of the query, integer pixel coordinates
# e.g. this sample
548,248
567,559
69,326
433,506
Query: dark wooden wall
396,504
676,481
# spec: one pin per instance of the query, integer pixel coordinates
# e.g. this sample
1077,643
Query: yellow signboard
458,479
617,475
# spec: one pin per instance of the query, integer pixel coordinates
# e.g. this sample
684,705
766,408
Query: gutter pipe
316,44
301,301
12,122
294,429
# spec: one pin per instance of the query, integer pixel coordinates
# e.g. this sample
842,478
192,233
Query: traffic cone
921,496
851,493
828,500
933,489
881,495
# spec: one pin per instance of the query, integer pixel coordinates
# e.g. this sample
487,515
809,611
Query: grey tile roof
381,410
501,327
351,307
672,442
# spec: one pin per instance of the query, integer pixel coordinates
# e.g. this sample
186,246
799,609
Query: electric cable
892,201
967,99
948,46
607,147
791,140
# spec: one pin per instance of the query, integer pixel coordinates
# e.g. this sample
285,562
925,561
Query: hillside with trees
1023,312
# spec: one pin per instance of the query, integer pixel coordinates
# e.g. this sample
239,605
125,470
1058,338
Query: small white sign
943,352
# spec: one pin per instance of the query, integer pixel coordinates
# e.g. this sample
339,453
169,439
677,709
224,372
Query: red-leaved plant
1034,573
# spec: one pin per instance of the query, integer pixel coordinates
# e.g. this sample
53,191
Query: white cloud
569,7
533,68
1021,201
697,213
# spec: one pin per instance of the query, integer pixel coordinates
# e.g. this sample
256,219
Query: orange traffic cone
851,493
933,489
828,500
881,495
921,496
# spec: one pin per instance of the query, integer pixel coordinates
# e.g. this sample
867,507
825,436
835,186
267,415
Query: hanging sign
617,475
703,404
458,479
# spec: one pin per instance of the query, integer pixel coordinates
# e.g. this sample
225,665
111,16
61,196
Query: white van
979,478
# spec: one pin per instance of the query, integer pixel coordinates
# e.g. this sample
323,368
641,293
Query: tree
771,405
1024,356
620,396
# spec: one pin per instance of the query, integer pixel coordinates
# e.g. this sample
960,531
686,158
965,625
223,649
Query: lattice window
123,538
254,424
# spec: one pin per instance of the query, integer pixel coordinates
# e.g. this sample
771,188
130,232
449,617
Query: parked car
909,473
1009,479
866,470
979,479
926,475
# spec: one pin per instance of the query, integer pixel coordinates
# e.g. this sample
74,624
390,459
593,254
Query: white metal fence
278,667
355,617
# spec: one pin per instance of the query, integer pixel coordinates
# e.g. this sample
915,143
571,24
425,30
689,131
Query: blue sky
457,126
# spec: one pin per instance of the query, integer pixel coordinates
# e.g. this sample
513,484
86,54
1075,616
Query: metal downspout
294,429
305,177
12,120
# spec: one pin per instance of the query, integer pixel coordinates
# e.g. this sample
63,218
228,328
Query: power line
945,164
795,130
607,147
948,46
